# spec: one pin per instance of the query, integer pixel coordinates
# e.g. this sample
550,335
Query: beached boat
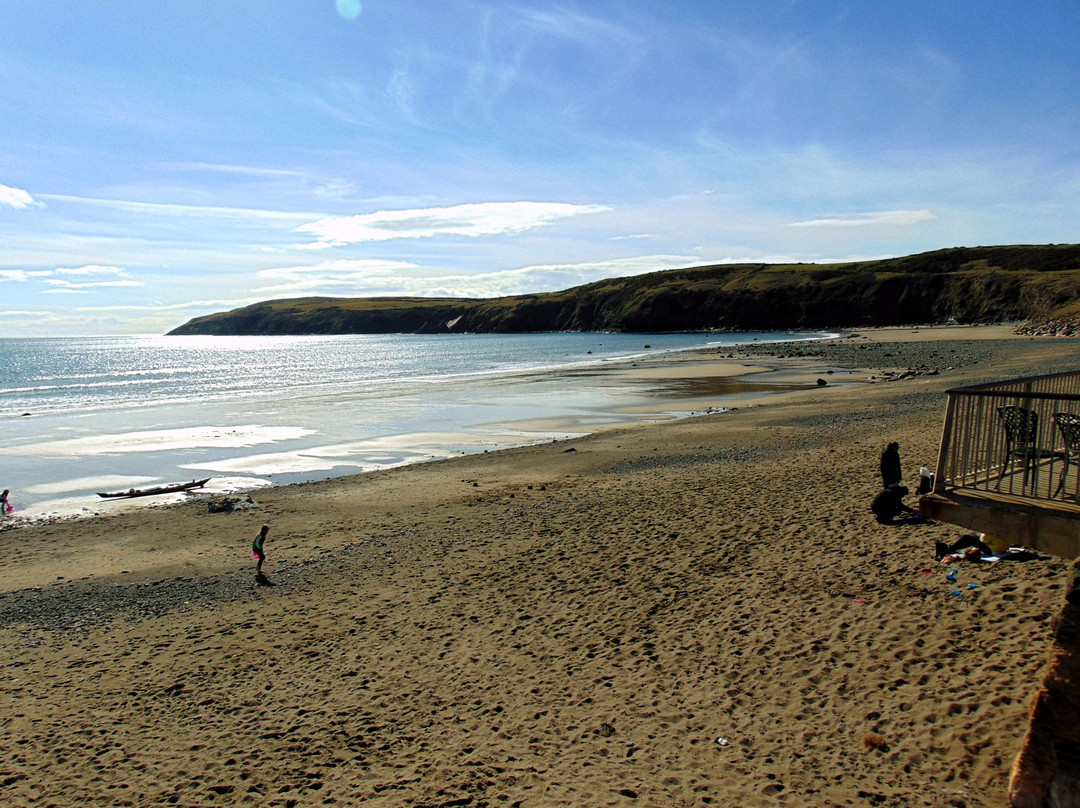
171,488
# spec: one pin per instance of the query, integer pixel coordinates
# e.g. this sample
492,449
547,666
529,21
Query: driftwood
171,488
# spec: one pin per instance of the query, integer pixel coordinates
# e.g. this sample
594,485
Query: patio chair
1021,441
1068,423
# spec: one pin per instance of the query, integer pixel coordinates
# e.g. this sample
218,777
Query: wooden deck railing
1019,437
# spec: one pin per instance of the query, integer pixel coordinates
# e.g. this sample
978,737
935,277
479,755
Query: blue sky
163,160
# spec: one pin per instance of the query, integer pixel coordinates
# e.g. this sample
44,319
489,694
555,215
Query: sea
86,415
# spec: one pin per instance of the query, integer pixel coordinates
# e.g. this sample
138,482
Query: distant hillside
968,285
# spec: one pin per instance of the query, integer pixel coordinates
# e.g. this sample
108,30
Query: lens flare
348,9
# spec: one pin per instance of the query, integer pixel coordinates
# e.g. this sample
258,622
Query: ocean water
82,415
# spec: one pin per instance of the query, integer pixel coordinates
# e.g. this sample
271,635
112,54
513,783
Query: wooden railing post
943,450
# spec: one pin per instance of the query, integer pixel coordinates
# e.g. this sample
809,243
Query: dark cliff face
968,285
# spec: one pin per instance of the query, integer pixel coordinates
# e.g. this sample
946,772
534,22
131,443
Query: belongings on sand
172,488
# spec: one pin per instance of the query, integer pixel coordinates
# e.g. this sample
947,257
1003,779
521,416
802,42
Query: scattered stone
1049,328
230,504
875,743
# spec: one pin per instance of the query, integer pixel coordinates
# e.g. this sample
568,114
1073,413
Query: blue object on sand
952,575
955,592
973,586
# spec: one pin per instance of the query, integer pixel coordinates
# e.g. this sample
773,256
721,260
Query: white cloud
381,278
196,211
480,219
588,271
357,274
32,315
171,308
23,275
895,218
225,168
15,197
333,189
320,188
91,269
62,283
91,276
65,290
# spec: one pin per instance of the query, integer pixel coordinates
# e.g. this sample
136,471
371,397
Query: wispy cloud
65,290
90,276
89,270
894,218
225,168
547,277
373,278
63,285
138,318
366,275
581,28
15,197
198,211
32,317
174,308
480,219
321,187
20,275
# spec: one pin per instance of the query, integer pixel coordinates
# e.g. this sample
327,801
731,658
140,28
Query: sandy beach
701,612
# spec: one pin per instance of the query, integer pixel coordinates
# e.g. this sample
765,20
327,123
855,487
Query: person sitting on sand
969,547
257,548
890,465
889,503
926,481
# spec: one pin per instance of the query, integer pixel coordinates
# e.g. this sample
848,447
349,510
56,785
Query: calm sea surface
82,415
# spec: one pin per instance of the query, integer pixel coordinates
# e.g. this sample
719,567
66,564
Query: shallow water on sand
83,415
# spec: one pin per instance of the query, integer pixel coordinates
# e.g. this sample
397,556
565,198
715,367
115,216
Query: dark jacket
890,468
889,503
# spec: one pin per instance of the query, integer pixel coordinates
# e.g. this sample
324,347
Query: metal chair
1068,424
1021,440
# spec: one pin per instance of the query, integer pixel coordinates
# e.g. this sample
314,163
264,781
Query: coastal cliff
966,285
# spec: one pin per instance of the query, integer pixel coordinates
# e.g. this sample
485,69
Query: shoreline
795,364
679,386
575,622
60,461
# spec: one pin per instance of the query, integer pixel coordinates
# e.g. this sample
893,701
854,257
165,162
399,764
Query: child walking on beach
257,548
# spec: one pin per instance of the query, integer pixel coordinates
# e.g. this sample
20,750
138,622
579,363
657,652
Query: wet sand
698,612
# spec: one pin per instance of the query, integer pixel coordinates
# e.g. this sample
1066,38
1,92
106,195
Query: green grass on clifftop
963,284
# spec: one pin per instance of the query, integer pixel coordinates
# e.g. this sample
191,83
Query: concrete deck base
1049,527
